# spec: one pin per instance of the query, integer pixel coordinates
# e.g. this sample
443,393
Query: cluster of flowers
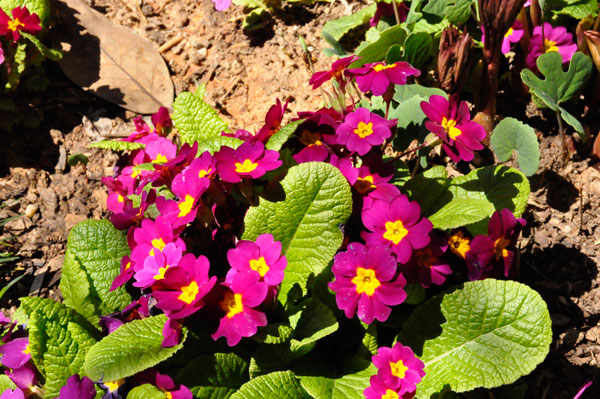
22,21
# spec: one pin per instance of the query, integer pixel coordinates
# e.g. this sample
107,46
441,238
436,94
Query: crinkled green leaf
40,7
512,135
376,51
6,383
337,28
133,347
274,333
486,334
308,222
215,375
51,54
417,49
146,391
59,339
279,139
577,9
196,120
458,11
277,385
435,7
214,144
18,67
116,145
316,321
92,261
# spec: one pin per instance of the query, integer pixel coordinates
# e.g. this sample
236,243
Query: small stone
30,210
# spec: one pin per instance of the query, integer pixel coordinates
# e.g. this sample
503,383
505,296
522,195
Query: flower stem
417,148
396,13
561,130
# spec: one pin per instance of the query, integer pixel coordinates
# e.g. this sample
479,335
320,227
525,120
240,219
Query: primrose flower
387,9
15,353
1,55
368,182
345,167
118,190
272,124
78,388
396,224
513,35
239,299
379,390
162,121
398,367
152,237
22,20
378,76
133,215
451,122
125,273
336,72
18,394
263,257
425,265
171,333
172,391
113,389
363,129
23,377
250,160
203,167
554,39
154,267
365,282
459,244
189,190
221,5
180,292
496,250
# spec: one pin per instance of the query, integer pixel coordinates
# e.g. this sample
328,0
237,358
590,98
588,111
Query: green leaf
214,144
51,54
215,375
40,7
577,9
458,11
131,348
279,139
316,321
75,159
146,391
317,203
376,51
6,383
486,334
435,7
92,261
195,119
277,385
417,49
337,28
512,135
59,339
336,48
408,91
116,145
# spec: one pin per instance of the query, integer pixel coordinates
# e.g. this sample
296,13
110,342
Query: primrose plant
302,261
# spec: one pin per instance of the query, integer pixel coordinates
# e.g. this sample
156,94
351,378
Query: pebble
30,210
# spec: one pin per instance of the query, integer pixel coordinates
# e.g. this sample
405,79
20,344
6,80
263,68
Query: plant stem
417,148
396,13
561,130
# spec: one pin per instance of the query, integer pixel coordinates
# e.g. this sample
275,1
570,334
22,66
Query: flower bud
455,59
593,41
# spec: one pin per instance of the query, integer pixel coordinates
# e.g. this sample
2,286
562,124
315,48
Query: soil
245,73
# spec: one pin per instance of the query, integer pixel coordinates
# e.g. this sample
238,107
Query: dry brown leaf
110,60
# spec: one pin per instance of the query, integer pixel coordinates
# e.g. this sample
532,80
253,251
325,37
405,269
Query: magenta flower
555,39
23,377
18,394
263,257
154,267
172,391
188,189
152,237
160,150
171,333
426,266
368,182
451,122
387,9
162,121
125,273
366,283
272,124
15,353
113,389
336,72
221,5
492,255
180,292
78,388
250,160
396,224
203,167
399,368
378,390
22,20
346,167
377,76
1,55
118,190
363,129
133,215
513,35
240,298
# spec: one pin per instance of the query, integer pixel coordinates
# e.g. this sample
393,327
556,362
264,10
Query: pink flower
377,76
18,394
15,353
180,292
78,388
513,35
396,224
1,55
451,122
222,5
154,267
166,384
23,377
240,297
162,121
399,368
379,390
365,282
555,39
263,257
250,160
133,215
336,72
125,273
387,9
188,188
152,237
426,266
22,20
171,333
363,129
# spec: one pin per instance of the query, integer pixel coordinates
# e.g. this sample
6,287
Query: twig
233,85
169,44
396,13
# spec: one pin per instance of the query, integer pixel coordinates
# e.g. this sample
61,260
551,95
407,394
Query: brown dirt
244,75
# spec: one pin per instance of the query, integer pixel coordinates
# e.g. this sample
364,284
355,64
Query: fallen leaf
110,60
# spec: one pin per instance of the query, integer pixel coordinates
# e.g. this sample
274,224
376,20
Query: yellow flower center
160,158
459,244
185,207
27,350
128,265
550,46
451,129
390,394
135,173
120,198
259,265
204,173
365,281
308,138
158,243
381,67
114,385
189,293
364,184
246,167
161,272
15,25
500,247
168,395
509,32
398,369
364,129
395,231
232,304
